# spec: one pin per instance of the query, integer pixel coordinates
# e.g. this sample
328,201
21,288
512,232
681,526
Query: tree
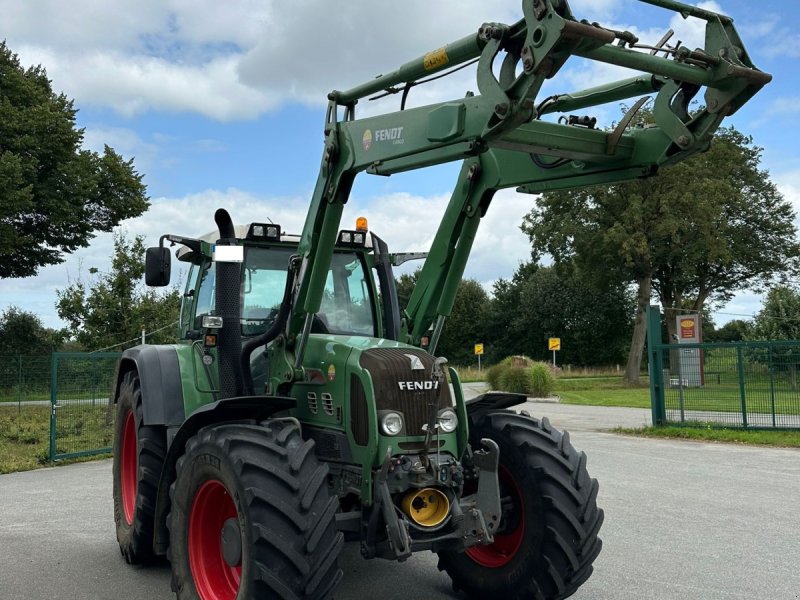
594,323
22,332
733,331
700,230
117,305
405,287
53,194
779,318
466,324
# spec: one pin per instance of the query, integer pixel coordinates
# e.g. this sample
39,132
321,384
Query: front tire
139,452
548,535
252,517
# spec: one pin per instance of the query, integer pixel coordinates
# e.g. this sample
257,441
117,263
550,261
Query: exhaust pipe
227,300
427,507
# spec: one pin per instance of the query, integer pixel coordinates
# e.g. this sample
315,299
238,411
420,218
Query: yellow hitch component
427,507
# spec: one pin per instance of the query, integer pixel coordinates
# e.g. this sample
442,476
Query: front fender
160,379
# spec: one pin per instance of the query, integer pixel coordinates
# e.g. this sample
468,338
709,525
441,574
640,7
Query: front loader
305,407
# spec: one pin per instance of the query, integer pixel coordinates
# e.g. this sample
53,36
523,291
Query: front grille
359,423
390,366
327,404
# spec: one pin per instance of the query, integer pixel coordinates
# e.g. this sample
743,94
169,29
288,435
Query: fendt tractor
305,408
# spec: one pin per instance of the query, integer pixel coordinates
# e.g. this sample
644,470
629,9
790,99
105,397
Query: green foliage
494,374
542,380
779,318
22,332
701,230
594,323
516,380
116,306
53,194
733,331
466,324
405,286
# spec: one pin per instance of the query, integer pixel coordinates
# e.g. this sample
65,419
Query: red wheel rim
128,467
213,577
505,545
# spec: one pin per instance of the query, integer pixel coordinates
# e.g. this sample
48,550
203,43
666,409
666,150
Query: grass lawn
787,439
25,433
631,397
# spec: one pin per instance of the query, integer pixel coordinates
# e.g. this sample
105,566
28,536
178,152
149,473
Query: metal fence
24,379
81,415
741,384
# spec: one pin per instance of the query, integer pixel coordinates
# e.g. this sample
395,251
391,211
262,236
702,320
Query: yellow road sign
478,349
554,344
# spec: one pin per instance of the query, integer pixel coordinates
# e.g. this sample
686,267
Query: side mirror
157,266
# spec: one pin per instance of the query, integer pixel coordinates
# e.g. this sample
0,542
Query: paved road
683,521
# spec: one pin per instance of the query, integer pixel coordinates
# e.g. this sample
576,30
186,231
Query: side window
262,294
205,295
346,306
187,301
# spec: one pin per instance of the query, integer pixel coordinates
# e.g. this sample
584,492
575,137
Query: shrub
516,380
542,380
494,374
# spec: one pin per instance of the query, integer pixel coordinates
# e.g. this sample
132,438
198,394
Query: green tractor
305,407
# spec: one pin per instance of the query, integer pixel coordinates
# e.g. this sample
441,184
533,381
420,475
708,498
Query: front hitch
487,504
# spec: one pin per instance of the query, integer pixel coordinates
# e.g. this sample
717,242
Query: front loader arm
503,142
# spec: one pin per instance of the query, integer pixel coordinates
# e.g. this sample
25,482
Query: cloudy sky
222,105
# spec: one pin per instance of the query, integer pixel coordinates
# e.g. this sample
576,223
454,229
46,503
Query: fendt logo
418,385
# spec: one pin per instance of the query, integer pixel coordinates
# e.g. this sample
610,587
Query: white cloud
236,60
406,222
132,84
786,105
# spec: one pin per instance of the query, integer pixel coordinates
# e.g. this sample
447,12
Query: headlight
391,423
448,421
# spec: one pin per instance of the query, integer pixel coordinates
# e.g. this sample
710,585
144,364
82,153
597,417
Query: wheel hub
232,542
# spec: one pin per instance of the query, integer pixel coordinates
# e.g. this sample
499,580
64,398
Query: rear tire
252,516
139,452
548,535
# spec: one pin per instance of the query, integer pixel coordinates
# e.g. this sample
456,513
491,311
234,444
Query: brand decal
392,134
418,385
416,363
331,373
366,139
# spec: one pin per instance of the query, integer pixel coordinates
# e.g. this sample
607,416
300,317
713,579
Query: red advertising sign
688,329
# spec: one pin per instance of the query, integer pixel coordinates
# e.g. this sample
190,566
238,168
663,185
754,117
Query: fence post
655,366
740,368
771,386
19,388
53,402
